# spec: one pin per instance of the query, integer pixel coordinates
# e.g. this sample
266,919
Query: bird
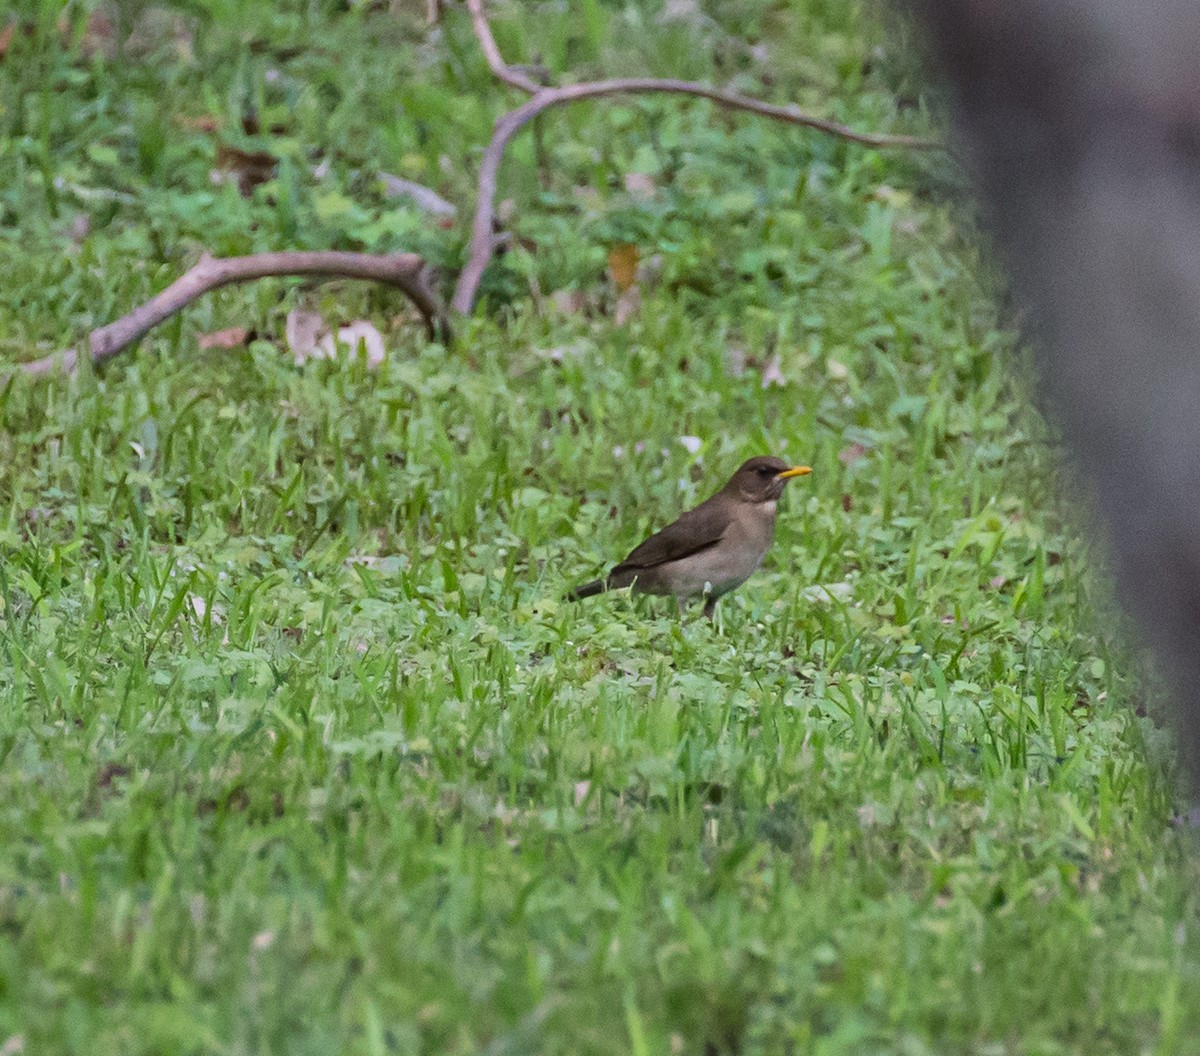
712,549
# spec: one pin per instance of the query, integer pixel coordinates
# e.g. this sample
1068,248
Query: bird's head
761,479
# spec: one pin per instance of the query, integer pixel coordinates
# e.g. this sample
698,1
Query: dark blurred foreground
1080,120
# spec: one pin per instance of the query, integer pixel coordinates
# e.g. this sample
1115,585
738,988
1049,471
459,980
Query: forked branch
483,239
487,44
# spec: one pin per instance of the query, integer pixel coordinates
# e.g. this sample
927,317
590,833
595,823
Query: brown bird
711,549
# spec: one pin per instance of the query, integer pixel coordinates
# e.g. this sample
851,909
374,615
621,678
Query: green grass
302,752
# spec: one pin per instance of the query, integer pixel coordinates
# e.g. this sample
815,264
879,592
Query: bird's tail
596,586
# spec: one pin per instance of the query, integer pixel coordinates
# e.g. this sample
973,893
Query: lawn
303,752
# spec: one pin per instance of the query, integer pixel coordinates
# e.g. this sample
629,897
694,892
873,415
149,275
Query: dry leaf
250,167
350,336
852,453
581,790
6,35
310,337
628,305
231,337
302,330
622,265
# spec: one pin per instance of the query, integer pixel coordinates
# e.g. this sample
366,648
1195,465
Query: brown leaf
251,167
996,582
231,337
622,265
6,35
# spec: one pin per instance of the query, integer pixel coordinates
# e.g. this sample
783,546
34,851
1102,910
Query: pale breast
729,563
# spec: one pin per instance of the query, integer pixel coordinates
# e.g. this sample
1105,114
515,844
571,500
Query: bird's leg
710,608
679,605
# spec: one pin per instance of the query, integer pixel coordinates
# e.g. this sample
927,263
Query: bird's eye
766,471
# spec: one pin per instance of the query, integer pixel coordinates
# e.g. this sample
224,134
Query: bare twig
482,236
495,61
406,271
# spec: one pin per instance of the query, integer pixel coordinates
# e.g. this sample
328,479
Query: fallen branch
406,271
483,241
482,234
487,44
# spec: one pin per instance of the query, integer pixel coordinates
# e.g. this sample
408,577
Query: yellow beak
795,471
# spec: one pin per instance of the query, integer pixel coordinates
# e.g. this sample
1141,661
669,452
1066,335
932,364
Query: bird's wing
696,530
